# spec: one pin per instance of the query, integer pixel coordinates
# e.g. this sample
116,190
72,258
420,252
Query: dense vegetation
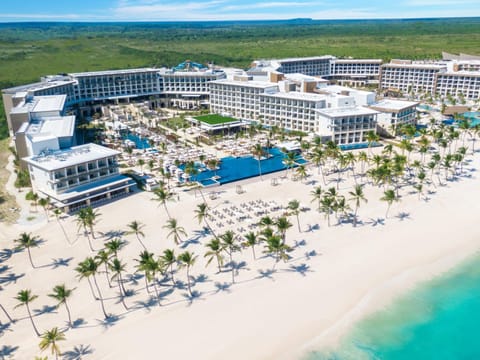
30,50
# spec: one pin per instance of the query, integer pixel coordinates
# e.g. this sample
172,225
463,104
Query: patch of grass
214,119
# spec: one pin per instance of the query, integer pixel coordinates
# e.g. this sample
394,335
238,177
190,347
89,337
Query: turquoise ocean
438,320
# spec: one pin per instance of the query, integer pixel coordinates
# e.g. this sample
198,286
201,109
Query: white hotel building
393,114
78,176
410,77
331,116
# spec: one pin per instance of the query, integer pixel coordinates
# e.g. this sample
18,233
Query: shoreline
386,294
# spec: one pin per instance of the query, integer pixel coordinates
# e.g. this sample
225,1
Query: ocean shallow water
439,319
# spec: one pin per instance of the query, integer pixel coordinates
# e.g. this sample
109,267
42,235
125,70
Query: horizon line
306,19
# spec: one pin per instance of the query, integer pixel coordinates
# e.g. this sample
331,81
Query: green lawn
215,119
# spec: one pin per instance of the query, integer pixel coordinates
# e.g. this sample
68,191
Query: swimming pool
358,146
140,142
473,116
233,169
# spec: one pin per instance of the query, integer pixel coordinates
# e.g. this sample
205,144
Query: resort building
393,114
355,72
187,89
291,110
115,84
78,176
239,98
410,78
460,84
347,125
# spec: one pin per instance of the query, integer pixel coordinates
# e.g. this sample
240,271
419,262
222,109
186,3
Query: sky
190,10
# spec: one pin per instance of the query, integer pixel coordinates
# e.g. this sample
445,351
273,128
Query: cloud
438,3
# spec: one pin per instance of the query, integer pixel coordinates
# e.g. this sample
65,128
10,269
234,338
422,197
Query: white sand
352,272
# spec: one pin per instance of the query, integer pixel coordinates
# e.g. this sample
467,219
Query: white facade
291,111
458,84
346,125
393,114
77,176
240,99
410,77
115,84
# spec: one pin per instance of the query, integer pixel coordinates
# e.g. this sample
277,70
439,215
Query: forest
30,50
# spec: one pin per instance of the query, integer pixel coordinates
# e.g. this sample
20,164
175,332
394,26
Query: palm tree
117,267
152,268
89,268
168,259
283,225
92,217
163,195
25,297
50,339
57,212
266,221
258,153
215,252
294,207
317,195
371,138
302,172
114,246
201,213
103,257
251,239
318,157
45,203
187,259
61,294
175,230
229,245
82,222
143,265
5,311
32,196
389,197
327,204
136,228
27,241
289,161
357,196
276,247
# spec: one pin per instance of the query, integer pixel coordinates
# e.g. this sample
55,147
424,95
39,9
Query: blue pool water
140,142
474,116
233,169
358,146
438,320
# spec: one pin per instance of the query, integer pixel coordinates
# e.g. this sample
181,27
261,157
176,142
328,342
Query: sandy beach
335,275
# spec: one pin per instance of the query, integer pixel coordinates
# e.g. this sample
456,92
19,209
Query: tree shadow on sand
301,269
222,287
403,216
266,274
376,222
110,321
56,263
78,352
6,254
10,278
6,351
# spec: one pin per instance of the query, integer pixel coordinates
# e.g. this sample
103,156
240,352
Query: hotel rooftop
58,159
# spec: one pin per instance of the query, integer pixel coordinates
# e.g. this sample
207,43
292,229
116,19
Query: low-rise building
347,125
393,114
78,176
